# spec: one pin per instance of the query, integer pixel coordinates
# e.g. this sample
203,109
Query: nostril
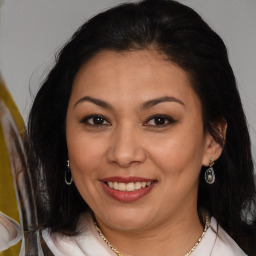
126,156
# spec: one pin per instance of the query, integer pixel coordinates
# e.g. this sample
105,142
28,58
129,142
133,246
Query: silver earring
68,175
209,175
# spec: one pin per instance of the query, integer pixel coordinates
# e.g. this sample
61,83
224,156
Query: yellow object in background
8,202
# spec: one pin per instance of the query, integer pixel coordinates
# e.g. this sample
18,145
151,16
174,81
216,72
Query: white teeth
115,185
137,185
143,184
122,186
132,186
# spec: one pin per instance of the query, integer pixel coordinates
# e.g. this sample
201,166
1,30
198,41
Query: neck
175,236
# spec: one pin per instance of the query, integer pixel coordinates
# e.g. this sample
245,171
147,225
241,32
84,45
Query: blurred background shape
10,234
17,200
8,202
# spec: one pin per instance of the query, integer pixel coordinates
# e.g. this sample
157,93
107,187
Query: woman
138,140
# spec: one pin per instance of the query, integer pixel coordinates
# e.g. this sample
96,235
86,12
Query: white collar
216,242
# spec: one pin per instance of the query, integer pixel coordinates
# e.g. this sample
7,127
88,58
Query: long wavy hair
179,33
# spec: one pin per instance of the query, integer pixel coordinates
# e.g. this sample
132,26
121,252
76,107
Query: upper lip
126,179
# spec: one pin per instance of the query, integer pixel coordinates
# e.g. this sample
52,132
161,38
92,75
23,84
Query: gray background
31,31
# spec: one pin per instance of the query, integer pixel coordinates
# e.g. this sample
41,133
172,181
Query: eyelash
86,119
167,120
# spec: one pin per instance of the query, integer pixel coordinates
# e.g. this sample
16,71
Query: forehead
132,74
145,63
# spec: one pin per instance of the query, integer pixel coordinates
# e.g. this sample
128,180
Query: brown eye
96,120
159,120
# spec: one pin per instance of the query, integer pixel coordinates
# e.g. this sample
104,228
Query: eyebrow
98,102
145,105
153,102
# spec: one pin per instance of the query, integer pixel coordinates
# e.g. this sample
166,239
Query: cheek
180,153
85,161
84,154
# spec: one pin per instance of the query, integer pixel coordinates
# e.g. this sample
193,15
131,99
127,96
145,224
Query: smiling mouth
129,187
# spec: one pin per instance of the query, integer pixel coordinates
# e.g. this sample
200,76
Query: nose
126,147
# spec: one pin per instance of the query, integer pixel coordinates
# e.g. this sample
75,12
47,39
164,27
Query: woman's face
135,139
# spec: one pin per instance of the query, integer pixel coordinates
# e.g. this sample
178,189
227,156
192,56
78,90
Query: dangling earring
68,175
209,173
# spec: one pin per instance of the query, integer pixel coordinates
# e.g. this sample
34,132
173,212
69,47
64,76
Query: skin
129,143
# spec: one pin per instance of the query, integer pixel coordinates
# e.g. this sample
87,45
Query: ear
213,148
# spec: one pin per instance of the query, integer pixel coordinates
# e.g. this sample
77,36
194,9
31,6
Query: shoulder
216,242
87,242
224,244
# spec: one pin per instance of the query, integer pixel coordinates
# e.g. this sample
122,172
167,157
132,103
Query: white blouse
216,242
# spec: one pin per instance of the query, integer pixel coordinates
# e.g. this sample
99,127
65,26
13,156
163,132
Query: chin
127,220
